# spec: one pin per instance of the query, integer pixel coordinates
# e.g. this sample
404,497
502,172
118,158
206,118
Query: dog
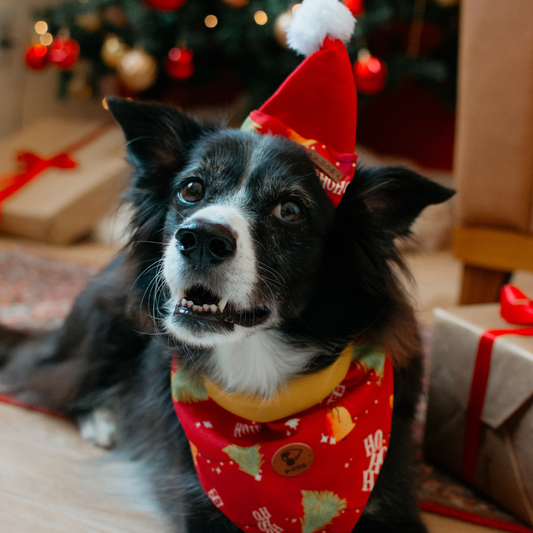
239,269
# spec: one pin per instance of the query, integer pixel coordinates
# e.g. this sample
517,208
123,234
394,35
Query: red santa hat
316,105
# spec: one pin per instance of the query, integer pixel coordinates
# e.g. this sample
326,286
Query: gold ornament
113,50
281,24
116,16
90,22
137,69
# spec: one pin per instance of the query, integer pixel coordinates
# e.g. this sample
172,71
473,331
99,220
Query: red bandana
309,471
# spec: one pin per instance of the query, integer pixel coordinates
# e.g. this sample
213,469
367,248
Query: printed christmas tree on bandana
320,508
248,459
188,387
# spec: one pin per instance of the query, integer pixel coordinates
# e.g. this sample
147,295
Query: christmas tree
155,48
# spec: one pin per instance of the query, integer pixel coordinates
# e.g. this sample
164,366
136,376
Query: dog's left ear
394,196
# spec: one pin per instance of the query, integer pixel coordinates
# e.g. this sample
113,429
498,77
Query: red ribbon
32,165
515,308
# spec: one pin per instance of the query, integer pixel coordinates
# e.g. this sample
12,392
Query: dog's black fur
335,278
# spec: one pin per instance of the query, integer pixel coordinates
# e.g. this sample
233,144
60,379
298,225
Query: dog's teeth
222,304
189,304
213,308
207,307
197,308
184,302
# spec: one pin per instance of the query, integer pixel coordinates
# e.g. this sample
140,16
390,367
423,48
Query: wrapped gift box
61,205
504,467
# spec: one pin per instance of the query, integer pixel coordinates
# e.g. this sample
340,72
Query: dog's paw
99,428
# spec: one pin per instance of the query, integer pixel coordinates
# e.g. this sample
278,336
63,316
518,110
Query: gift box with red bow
480,409
58,177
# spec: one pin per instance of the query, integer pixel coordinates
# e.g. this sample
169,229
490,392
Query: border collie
241,270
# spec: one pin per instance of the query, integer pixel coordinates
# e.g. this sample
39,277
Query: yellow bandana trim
298,395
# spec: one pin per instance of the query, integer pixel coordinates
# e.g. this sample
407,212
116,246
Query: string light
46,39
211,21
260,18
41,27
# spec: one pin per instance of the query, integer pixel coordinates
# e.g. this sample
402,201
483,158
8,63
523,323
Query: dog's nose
206,243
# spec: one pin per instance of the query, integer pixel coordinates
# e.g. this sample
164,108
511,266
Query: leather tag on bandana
293,459
335,170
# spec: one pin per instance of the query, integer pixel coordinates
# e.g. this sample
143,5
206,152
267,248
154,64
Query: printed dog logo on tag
292,459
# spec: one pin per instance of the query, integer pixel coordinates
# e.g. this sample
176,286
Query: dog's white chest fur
257,364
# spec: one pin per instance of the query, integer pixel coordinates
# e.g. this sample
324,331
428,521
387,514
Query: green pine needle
320,508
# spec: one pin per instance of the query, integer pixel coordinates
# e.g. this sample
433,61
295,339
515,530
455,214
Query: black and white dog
239,263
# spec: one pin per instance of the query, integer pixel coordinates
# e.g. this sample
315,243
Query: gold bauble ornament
137,69
113,50
281,24
116,16
90,22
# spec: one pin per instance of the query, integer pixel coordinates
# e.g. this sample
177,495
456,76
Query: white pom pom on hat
317,19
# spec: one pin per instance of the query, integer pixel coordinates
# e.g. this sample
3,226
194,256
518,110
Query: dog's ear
393,196
158,136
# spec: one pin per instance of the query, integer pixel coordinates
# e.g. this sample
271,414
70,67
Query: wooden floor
51,481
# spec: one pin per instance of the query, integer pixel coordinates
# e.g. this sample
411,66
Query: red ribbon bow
32,165
515,308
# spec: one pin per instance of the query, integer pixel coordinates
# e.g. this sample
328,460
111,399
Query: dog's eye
193,192
290,211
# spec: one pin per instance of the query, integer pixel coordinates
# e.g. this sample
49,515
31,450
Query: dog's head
249,239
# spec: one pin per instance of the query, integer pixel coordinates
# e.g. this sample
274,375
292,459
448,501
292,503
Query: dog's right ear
158,137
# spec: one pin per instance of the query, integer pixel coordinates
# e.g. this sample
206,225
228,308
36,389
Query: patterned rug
37,292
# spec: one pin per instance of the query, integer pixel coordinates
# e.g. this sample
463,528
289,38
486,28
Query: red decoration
180,64
36,56
64,52
166,5
370,74
355,6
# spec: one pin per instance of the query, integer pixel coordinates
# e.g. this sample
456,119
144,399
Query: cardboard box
493,163
61,205
504,468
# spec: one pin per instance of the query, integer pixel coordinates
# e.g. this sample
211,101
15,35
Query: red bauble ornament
355,6
166,5
64,52
36,56
179,63
370,73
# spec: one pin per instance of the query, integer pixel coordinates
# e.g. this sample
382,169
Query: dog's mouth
201,303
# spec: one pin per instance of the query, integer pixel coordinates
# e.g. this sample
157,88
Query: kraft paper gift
504,466
60,204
